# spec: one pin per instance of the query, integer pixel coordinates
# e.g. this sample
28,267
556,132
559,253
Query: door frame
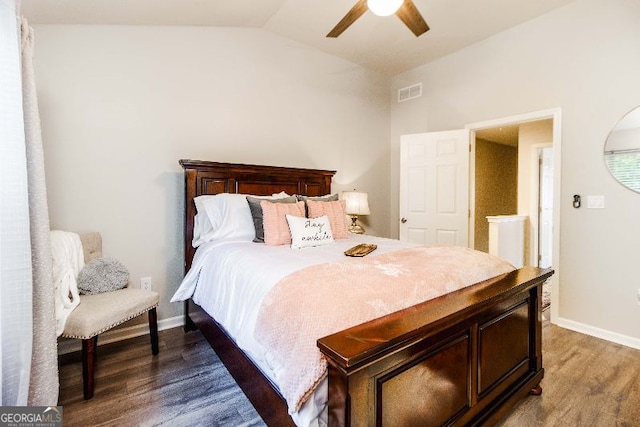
534,201
555,114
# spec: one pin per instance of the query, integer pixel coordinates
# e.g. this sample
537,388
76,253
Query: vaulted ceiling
380,43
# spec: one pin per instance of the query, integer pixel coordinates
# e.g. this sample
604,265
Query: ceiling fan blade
351,16
409,14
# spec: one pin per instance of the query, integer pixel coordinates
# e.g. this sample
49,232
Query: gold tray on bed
361,250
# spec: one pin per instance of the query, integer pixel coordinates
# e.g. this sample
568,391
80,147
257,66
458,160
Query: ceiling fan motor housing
384,7
404,9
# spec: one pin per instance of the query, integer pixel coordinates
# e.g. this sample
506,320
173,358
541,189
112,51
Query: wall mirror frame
622,150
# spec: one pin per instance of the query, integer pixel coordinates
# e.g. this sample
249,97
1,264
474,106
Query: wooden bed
462,359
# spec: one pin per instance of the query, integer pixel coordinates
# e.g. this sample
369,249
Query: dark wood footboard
463,359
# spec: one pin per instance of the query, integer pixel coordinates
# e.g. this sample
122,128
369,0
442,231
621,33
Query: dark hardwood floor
588,382
184,385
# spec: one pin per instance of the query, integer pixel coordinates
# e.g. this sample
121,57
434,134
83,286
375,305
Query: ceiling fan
404,9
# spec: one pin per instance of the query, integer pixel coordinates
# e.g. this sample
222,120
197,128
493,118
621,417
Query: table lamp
357,204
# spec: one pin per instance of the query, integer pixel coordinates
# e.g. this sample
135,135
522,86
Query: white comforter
229,280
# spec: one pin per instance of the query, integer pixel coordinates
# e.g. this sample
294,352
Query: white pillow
307,232
280,195
222,216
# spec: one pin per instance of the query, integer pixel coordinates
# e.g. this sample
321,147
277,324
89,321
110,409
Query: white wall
120,105
582,58
532,136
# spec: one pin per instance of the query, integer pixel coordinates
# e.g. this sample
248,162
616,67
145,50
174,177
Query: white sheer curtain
44,384
15,243
28,348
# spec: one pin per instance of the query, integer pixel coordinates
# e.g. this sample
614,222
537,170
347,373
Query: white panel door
434,188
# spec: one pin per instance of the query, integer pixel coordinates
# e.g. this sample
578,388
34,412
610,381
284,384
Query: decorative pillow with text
309,232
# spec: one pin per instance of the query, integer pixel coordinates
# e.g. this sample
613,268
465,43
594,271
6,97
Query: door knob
403,220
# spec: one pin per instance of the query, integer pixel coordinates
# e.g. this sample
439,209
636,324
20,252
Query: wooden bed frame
461,359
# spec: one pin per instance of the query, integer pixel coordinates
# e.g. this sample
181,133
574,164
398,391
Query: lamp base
355,228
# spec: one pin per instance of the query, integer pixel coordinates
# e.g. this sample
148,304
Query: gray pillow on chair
103,274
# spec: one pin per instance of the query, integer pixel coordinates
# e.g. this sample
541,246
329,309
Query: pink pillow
335,210
276,227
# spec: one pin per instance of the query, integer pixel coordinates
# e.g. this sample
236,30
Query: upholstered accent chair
100,312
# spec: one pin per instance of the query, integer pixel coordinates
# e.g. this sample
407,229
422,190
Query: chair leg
88,365
153,330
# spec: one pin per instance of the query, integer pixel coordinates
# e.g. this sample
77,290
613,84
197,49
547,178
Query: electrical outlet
145,283
638,296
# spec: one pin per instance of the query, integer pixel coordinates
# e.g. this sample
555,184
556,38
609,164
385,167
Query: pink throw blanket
320,300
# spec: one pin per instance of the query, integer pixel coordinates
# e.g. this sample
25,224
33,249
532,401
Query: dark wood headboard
202,178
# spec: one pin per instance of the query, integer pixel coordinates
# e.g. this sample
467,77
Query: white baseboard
599,333
118,334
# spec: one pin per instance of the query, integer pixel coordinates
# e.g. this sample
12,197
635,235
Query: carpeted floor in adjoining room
546,294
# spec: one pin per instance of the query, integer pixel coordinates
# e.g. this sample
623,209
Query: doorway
538,185
514,176
534,130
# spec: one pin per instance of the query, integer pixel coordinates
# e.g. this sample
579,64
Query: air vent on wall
410,92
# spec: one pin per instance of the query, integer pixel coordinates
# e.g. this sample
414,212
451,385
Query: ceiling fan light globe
384,7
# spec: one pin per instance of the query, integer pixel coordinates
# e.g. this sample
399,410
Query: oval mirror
622,150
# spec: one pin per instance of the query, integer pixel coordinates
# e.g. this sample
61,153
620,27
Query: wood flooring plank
185,384
588,382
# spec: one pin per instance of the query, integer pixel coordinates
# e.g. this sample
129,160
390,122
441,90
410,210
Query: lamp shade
357,203
384,7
